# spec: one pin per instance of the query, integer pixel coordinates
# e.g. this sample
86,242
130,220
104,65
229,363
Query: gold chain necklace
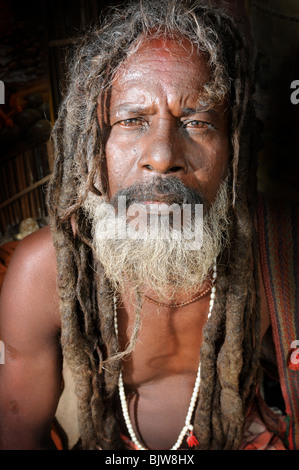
182,304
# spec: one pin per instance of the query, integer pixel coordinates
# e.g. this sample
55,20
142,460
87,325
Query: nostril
174,169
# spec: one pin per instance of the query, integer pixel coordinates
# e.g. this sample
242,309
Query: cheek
219,158
214,167
119,162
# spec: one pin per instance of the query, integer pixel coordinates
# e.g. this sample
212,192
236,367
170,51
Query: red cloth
257,436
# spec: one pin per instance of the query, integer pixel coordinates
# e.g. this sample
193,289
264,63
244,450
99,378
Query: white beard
164,264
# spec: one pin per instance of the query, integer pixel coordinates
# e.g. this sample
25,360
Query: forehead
169,54
162,65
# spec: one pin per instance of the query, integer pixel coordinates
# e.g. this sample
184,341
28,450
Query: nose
163,151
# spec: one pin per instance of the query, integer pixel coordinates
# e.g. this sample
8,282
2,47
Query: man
163,338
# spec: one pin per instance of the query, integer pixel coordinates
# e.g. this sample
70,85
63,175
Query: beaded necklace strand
177,305
188,427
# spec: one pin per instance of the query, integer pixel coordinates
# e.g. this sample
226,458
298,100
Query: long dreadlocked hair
231,339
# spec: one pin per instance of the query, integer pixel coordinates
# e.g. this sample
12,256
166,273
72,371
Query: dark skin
155,128
30,380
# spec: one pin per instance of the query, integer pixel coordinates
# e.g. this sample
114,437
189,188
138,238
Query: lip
153,202
153,207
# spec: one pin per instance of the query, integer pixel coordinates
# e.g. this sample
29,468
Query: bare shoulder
31,276
37,247
30,382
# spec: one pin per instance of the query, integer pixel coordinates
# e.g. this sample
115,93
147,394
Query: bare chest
168,342
160,375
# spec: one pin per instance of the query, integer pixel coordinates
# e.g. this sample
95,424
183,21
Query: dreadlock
231,339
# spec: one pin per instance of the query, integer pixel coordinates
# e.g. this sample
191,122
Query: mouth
159,192
151,202
155,207
158,198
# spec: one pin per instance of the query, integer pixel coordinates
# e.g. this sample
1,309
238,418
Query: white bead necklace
188,428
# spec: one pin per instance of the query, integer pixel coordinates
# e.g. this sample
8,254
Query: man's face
155,125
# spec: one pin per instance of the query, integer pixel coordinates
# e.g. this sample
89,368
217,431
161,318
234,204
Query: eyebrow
139,109
192,111
130,107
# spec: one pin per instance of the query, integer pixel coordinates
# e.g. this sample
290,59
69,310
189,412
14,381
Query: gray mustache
170,190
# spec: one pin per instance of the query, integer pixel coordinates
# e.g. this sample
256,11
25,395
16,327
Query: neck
172,299
192,315
170,304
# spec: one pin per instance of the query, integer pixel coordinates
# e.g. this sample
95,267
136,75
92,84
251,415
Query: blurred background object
274,26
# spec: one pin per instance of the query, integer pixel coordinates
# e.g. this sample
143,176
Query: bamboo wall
23,180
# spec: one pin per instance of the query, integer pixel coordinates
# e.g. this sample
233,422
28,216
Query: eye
132,122
196,124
